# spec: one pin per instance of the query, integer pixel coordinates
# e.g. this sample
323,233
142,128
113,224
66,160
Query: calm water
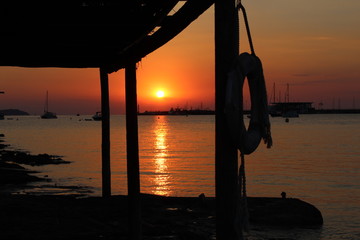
314,158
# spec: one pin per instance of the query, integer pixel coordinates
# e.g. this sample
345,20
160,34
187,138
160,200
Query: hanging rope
240,6
244,213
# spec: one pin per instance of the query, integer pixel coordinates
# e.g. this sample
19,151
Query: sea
315,158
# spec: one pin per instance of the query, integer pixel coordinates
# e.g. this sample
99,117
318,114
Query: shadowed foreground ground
25,216
66,217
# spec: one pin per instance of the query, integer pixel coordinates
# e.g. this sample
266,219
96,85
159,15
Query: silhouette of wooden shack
112,35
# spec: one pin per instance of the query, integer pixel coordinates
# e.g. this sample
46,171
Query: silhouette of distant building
283,108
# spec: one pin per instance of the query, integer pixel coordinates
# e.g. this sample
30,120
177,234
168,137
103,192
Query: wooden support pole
105,128
132,145
226,159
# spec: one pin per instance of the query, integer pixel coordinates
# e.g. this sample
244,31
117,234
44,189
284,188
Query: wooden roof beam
170,6
191,10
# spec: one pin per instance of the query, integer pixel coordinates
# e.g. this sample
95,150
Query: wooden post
132,145
105,127
226,160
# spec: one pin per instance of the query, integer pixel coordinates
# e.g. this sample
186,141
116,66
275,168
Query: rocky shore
26,216
13,174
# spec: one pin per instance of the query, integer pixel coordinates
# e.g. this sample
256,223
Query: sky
314,46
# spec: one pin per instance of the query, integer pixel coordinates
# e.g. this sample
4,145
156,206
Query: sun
160,94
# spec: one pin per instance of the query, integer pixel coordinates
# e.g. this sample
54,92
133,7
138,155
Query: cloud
319,38
326,82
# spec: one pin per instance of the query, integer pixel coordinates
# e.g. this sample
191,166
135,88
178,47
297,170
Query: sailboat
47,114
286,109
272,109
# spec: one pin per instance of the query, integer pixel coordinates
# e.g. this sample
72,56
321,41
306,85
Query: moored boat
97,116
47,114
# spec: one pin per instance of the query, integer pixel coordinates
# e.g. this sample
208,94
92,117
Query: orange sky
311,45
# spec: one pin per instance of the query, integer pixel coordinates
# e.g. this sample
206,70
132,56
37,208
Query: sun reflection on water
162,176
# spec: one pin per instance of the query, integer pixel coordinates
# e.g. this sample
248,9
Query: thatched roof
89,33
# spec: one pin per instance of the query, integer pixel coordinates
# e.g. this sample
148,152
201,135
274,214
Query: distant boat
47,114
97,116
275,114
290,114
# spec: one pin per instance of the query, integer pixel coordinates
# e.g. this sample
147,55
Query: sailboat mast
274,93
46,102
287,93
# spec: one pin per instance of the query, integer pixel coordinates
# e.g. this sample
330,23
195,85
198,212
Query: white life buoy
247,140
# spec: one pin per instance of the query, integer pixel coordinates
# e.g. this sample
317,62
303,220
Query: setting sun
160,94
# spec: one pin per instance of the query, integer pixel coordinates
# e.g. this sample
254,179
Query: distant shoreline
212,112
17,112
13,112
335,111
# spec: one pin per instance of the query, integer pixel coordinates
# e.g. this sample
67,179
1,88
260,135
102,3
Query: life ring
247,140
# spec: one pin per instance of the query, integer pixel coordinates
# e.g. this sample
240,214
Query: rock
29,159
283,212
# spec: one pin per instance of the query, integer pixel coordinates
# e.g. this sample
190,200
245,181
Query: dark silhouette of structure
112,35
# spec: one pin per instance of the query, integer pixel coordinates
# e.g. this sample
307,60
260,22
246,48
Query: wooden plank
226,161
132,145
105,128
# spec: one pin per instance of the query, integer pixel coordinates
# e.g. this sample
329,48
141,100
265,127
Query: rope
237,30
240,6
244,213
242,208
